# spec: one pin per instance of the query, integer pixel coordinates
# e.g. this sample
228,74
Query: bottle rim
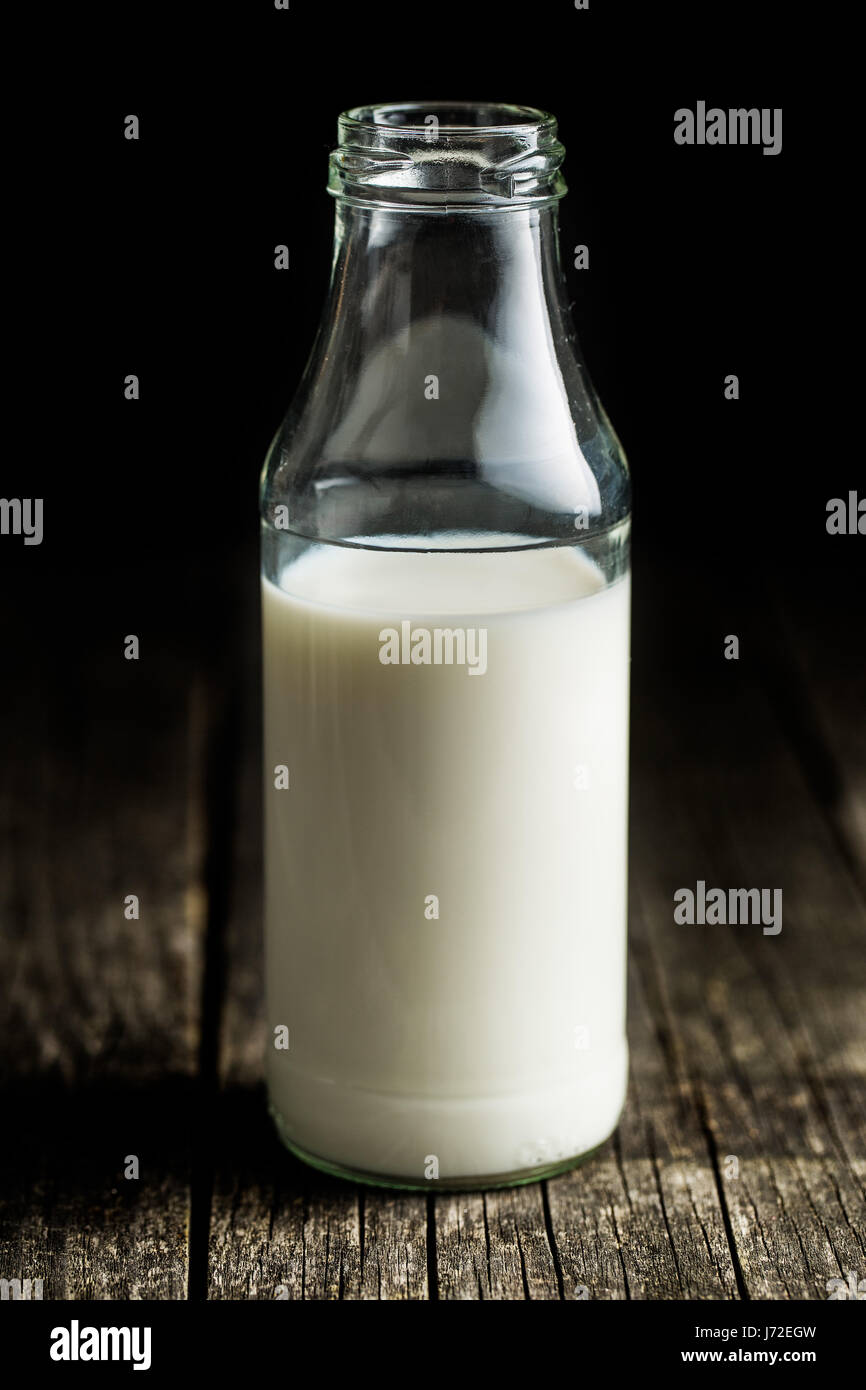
447,155
506,117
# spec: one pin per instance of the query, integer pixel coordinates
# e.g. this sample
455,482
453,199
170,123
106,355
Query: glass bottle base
476,1183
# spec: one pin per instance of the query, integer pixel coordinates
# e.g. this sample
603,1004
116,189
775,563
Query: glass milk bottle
445,590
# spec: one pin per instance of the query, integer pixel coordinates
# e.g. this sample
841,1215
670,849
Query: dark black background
157,258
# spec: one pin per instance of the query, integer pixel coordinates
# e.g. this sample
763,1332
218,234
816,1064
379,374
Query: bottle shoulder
485,425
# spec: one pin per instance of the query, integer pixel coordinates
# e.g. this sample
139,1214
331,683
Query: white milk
490,1037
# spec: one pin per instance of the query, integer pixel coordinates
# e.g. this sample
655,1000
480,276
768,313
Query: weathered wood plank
99,1015
494,1245
521,1262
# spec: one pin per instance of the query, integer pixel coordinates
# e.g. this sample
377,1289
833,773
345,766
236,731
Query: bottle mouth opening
445,155
451,117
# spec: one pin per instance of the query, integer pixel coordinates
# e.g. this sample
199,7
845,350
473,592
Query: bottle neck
448,339
492,273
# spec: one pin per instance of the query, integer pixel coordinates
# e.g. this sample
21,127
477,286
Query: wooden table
737,1171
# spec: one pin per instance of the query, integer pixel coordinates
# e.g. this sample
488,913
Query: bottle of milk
445,591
